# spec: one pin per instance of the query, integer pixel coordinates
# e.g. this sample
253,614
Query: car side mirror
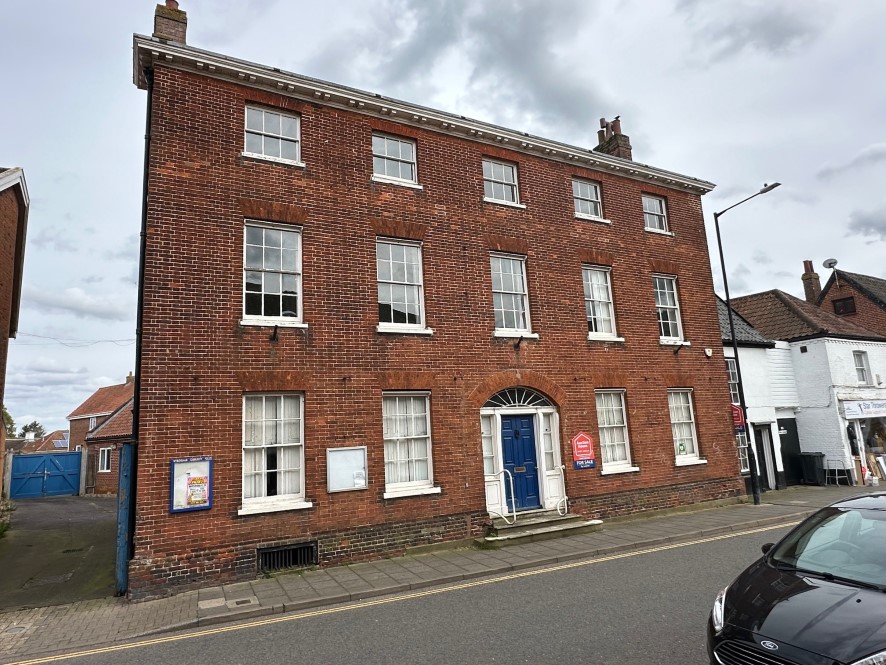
766,547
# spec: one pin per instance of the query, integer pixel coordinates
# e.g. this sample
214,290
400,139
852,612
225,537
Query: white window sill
504,203
660,232
413,491
104,471
591,218
619,469
395,181
275,506
515,334
276,160
670,341
267,323
403,329
597,337
692,461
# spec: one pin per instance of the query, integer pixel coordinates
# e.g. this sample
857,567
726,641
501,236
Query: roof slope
744,331
103,401
873,287
118,426
779,315
47,443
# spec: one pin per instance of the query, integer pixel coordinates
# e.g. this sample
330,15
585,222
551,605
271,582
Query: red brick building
86,419
369,314
14,206
103,444
852,296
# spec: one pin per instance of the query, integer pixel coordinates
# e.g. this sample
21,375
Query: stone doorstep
534,518
543,531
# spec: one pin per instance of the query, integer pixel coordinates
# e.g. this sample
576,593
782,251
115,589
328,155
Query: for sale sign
583,451
738,418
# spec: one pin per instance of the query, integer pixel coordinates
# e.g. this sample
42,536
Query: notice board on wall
345,469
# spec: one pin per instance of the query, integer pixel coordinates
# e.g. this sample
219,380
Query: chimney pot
172,4
612,141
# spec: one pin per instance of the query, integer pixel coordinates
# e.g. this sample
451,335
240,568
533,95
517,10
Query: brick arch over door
510,378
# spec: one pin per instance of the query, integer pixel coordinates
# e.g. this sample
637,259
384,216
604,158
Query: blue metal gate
52,474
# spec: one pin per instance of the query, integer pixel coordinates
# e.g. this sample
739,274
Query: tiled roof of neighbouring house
779,315
744,331
104,401
118,426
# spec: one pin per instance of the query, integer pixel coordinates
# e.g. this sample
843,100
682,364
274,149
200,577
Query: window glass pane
272,123
289,150
487,169
406,151
378,145
253,256
271,146
254,119
253,143
289,127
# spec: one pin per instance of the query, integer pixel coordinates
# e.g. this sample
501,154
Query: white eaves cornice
15,176
150,50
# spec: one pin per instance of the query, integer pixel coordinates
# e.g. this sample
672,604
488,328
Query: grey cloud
869,156
772,28
127,250
782,273
92,279
55,239
869,223
761,258
229,19
79,303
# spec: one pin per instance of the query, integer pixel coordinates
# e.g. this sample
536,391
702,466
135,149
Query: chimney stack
170,22
811,283
130,378
611,141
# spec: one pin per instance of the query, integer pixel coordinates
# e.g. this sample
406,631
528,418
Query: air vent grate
288,556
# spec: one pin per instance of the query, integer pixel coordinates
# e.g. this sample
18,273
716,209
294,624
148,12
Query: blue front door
518,454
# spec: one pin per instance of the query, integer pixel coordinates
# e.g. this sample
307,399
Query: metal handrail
565,500
511,480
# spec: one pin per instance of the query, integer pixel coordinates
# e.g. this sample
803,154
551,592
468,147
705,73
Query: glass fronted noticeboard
345,469
190,485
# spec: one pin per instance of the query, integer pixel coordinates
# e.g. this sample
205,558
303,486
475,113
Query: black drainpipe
136,403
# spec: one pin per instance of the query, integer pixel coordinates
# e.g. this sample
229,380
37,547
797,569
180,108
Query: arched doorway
520,435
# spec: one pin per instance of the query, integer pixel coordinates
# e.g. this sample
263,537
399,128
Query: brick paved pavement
46,630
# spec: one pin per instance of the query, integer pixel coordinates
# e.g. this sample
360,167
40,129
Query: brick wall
198,360
9,213
105,481
867,313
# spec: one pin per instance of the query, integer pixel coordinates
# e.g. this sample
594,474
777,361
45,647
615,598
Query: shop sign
865,409
583,451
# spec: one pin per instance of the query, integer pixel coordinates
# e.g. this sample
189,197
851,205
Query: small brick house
102,456
852,296
14,205
372,316
103,444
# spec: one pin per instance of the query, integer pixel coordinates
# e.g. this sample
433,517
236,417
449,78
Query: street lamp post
752,456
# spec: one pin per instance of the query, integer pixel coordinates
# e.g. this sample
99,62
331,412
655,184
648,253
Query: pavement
39,632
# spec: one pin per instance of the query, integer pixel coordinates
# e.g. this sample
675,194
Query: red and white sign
583,451
737,416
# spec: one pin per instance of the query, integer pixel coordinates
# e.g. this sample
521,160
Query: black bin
813,468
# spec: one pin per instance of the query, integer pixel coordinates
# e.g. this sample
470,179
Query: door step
534,527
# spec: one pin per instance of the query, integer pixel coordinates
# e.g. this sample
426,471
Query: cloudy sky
740,93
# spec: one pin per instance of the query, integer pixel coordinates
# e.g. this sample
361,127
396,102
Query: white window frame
690,456
396,180
277,502
92,423
395,490
104,460
659,214
524,297
672,280
587,192
603,427
741,440
732,378
862,368
391,327
262,320
593,304
262,133
503,182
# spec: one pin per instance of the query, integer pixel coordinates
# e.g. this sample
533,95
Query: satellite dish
830,263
